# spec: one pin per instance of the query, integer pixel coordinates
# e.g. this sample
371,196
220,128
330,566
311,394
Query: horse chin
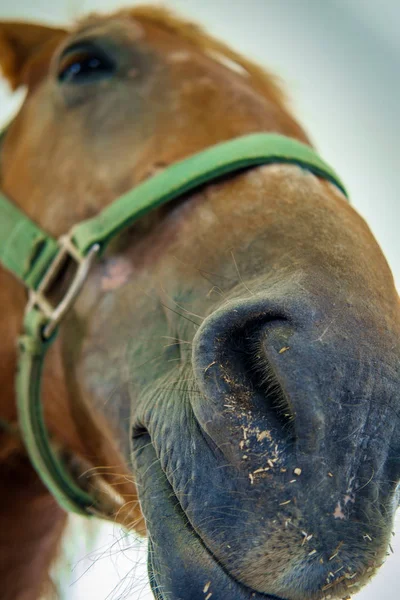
180,565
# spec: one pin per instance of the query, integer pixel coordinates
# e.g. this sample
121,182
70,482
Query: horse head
233,360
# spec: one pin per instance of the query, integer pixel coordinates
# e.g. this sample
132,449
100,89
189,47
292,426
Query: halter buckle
38,298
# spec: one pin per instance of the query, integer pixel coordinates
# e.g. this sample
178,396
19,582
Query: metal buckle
37,298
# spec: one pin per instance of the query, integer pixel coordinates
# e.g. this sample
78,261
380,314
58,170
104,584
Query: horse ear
20,43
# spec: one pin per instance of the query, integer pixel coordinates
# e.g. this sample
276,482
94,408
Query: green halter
39,262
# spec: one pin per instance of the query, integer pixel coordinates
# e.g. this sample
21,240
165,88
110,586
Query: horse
230,370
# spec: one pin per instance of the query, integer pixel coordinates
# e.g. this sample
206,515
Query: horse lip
170,500
252,593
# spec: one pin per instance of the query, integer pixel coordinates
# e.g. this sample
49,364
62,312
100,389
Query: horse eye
85,63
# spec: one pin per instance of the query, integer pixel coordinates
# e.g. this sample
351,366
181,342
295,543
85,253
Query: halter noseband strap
39,261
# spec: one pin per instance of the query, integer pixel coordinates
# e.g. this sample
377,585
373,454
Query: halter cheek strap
39,261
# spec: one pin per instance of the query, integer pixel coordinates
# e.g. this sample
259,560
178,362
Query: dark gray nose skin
325,386
317,379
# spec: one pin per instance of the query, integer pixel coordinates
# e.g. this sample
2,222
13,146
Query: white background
341,62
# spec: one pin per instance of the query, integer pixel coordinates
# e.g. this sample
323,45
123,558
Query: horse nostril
233,370
256,372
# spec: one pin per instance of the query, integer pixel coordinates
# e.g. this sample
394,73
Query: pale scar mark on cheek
117,273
